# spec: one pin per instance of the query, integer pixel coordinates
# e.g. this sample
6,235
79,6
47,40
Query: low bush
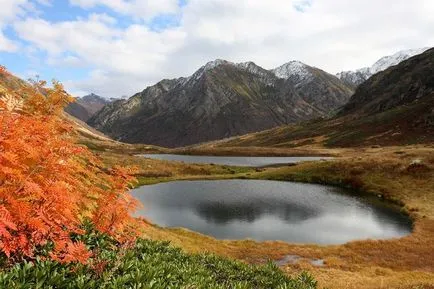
146,264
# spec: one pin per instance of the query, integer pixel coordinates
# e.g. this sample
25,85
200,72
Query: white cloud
9,10
135,52
334,35
6,44
145,9
44,2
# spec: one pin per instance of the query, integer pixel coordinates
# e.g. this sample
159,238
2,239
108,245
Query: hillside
394,107
9,82
222,99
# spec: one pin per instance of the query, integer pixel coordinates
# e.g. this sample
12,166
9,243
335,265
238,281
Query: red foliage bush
49,184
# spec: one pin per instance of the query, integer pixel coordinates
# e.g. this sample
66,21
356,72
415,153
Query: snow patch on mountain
250,67
209,66
293,69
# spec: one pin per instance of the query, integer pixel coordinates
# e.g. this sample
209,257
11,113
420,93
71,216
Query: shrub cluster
48,183
147,264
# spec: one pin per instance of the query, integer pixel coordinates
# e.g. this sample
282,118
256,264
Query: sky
116,48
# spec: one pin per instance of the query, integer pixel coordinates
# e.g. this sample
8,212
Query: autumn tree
48,184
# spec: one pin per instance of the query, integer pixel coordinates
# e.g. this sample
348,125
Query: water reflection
269,210
223,213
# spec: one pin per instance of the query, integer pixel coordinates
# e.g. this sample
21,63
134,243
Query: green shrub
147,264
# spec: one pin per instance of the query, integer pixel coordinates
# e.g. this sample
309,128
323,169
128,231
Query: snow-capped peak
247,66
395,59
251,67
292,68
214,64
210,65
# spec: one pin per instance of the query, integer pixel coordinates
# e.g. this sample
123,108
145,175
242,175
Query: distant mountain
355,78
85,107
222,99
393,107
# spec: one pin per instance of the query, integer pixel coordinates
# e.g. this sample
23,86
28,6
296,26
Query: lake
233,161
271,210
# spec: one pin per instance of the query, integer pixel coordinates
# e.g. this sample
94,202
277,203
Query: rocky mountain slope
393,107
222,99
315,86
85,107
355,78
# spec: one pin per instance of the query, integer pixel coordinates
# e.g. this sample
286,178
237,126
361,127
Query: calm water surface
270,210
233,161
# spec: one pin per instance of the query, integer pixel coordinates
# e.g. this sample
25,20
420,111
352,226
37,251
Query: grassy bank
402,174
214,150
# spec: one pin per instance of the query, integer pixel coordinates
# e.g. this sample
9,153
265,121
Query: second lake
245,161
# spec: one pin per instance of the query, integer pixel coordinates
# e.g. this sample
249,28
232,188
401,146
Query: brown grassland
404,175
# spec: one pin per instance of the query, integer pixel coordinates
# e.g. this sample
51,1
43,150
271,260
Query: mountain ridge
220,99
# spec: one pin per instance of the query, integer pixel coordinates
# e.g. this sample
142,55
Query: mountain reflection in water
270,210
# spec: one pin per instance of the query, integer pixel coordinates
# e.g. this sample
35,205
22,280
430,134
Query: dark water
270,210
232,161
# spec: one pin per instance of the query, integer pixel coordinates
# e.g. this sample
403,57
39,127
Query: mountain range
222,99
